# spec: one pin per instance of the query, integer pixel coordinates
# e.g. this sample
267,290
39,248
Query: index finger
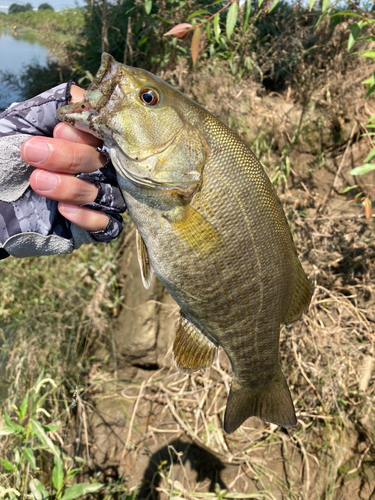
61,156
68,133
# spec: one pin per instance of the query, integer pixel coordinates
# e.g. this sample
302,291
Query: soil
159,431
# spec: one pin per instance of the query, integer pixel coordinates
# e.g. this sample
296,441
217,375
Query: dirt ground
159,431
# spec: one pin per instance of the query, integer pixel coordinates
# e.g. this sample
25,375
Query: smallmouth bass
209,225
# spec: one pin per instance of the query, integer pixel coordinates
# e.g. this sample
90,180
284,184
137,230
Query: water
15,52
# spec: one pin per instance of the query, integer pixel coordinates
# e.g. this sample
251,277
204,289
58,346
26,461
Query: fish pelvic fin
301,296
192,350
144,261
272,403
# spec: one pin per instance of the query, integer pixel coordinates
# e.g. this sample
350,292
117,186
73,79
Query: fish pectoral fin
301,296
192,350
272,403
195,230
144,261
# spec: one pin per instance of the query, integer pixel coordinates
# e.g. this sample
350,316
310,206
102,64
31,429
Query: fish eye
149,97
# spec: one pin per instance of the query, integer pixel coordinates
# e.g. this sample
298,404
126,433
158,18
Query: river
17,51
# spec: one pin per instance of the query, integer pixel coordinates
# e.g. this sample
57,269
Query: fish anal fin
192,350
195,230
272,403
301,296
144,261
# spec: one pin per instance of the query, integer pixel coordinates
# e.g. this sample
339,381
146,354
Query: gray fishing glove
31,225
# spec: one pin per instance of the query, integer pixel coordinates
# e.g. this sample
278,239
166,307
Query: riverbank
37,48
64,25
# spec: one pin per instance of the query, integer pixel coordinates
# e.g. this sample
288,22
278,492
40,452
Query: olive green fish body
212,228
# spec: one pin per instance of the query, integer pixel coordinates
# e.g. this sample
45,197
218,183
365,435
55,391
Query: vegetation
281,78
45,6
16,8
67,22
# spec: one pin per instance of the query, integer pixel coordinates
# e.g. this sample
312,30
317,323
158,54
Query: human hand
57,159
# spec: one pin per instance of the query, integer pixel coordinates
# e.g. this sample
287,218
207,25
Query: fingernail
46,181
35,151
68,208
65,132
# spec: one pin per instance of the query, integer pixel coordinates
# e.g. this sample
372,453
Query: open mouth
96,96
102,87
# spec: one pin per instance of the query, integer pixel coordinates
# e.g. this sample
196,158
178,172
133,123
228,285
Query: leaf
23,407
311,4
231,19
370,90
39,431
217,29
346,13
208,32
38,490
179,30
325,5
355,31
195,44
348,188
148,6
7,465
58,473
274,3
367,204
369,53
362,169
370,156
260,3
198,13
16,428
5,431
246,14
49,428
80,489
29,456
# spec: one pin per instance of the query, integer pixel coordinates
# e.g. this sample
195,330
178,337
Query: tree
45,6
15,8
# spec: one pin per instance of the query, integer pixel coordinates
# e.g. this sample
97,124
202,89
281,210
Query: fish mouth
95,98
104,83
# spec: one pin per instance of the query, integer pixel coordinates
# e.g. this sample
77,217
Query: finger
63,187
61,156
84,217
71,134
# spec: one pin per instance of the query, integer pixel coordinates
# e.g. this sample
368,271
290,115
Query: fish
209,225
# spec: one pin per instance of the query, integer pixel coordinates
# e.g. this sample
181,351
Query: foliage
16,8
363,29
68,21
50,329
31,445
36,78
45,6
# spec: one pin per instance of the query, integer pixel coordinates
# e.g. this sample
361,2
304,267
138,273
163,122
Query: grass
53,312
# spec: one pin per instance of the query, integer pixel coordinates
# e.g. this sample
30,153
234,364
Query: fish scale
210,226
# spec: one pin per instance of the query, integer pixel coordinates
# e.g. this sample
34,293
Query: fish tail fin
272,403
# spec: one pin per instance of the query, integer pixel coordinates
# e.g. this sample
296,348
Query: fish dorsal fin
195,230
192,350
301,296
144,261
